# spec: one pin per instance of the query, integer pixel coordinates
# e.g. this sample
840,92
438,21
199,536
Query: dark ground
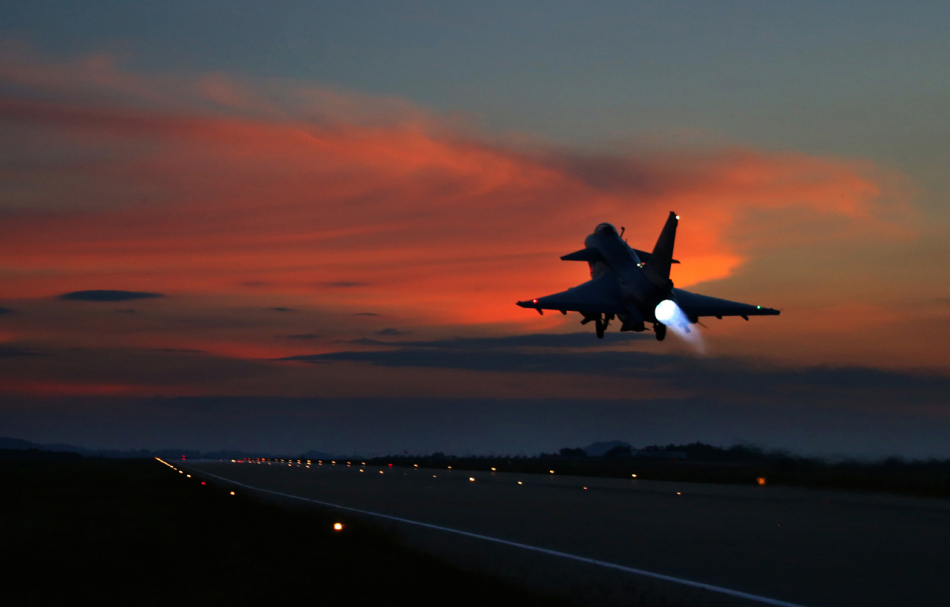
809,547
135,532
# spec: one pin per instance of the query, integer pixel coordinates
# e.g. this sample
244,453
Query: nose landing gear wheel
600,328
660,330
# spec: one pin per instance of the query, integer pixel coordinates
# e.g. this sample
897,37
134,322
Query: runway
775,545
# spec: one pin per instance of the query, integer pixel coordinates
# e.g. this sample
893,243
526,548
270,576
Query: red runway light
202,482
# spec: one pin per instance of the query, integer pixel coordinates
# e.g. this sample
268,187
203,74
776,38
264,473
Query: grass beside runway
137,532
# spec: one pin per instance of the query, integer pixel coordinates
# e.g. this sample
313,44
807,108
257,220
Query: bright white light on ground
338,526
671,315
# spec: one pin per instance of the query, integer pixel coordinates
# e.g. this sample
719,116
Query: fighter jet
634,287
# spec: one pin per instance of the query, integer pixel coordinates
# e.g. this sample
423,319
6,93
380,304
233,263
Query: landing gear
600,323
660,330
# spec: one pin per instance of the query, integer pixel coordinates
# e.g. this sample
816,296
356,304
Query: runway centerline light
634,475
338,526
232,493
520,483
471,478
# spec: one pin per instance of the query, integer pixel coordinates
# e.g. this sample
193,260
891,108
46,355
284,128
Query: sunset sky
315,219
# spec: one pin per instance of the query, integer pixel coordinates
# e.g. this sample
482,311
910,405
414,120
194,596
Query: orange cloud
200,186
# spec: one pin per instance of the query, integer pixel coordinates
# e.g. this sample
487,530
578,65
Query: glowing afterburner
670,314
667,311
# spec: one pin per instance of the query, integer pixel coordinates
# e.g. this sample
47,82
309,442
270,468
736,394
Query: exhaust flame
671,315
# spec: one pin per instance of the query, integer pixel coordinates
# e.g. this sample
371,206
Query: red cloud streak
213,187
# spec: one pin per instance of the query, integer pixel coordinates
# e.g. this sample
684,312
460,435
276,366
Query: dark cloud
9,352
712,376
538,340
302,336
6,311
176,350
125,311
342,284
365,314
392,332
278,309
588,363
108,295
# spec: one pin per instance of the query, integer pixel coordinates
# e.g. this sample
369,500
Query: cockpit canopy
605,229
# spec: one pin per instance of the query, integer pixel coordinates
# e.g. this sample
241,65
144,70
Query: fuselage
642,289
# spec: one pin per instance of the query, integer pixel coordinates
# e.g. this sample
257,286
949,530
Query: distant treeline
36,455
702,463
16,445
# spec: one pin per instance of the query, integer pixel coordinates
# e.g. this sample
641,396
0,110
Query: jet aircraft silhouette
635,287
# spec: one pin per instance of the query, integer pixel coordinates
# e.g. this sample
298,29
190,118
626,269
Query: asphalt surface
811,548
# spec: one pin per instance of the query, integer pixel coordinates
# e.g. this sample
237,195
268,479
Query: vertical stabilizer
662,255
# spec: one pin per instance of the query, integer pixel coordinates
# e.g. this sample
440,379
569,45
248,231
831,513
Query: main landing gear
600,323
660,330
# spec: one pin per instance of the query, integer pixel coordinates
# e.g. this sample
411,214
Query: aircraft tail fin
662,255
